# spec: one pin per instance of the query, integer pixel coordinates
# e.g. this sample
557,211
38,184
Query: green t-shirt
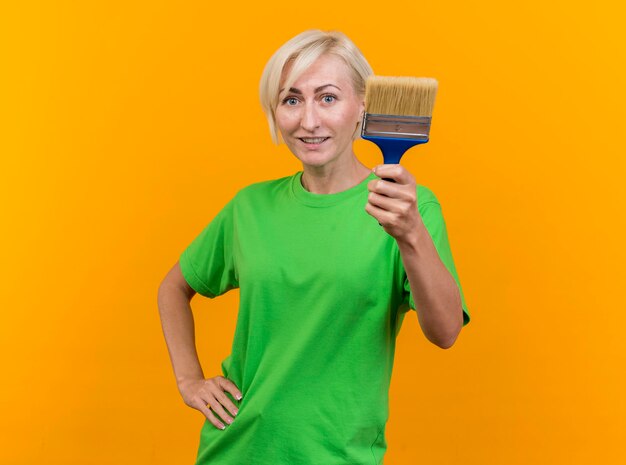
323,293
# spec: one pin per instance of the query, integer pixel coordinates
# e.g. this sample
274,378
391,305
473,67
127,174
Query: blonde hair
302,50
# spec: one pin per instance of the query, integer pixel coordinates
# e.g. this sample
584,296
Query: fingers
229,386
216,406
210,398
403,192
210,416
394,171
382,201
391,196
383,187
383,216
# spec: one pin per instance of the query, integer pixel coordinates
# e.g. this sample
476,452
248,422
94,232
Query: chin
315,159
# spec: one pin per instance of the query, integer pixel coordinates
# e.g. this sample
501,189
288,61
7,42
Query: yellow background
125,126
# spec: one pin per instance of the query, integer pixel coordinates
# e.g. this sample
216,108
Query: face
318,115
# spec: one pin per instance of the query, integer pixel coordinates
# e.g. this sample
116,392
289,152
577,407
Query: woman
328,261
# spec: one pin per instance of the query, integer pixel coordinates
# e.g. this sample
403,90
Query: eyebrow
293,90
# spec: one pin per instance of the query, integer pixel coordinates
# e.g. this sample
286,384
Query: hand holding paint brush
394,204
398,113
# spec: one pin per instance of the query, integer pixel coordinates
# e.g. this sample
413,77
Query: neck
330,180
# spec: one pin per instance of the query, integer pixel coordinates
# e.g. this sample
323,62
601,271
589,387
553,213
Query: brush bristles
405,96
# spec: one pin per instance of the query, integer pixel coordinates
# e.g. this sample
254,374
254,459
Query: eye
329,98
290,101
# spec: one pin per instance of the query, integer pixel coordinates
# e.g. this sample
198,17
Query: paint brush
398,112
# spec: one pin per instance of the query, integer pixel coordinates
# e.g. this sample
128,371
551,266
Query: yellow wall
125,126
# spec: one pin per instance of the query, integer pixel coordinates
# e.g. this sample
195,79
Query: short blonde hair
303,50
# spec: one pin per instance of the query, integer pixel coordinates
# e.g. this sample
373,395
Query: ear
361,112
357,129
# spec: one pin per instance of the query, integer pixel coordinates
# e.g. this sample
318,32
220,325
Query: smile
313,140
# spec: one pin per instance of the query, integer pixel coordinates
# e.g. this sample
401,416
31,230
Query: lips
313,140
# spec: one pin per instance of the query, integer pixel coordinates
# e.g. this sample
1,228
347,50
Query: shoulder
425,196
264,187
428,207
430,210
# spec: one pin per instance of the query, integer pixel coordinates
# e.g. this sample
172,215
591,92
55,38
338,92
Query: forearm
179,331
434,290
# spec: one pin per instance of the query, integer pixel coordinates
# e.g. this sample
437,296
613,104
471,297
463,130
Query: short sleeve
208,262
432,216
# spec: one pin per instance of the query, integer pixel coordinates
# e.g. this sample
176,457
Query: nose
310,117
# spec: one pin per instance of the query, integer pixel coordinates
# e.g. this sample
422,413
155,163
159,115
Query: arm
437,298
174,299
